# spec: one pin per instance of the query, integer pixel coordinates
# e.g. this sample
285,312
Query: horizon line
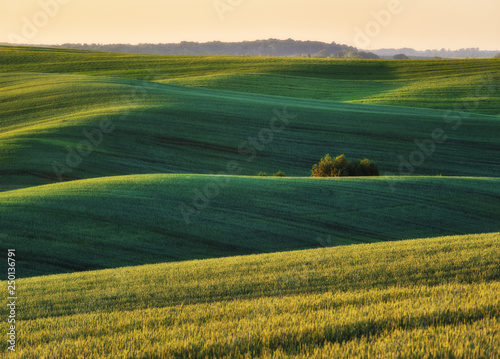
242,41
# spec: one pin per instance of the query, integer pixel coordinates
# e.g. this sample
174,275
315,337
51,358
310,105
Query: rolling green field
129,189
68,115
439,84
98,223
433,297
52,98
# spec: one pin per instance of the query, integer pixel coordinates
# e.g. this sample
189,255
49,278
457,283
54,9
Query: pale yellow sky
421,24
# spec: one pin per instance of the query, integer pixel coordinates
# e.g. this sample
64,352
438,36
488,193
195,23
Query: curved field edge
133,220
416,297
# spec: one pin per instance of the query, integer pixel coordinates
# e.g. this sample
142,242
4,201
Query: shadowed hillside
133,220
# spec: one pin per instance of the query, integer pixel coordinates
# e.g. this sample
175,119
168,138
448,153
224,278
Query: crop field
132,188
393,299
59,234
439,84
49,107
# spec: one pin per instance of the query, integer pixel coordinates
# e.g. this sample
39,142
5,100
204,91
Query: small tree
340,166
262,174
279,174
329,167
368,168
324,167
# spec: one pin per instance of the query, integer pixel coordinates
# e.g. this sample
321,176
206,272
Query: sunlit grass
432,296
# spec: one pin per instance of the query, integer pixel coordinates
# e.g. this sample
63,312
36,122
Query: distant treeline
274,47
443,53
270,47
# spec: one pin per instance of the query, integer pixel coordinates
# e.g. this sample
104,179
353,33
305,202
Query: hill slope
443,84
52,129
131,220
430,297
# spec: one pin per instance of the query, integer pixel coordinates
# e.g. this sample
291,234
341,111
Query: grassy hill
439,84
155,128
467,89
132,220
433,297
51,96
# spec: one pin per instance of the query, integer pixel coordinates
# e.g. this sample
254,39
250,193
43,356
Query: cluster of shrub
338,167
341,167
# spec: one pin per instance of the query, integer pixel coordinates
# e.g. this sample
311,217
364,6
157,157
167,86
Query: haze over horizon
366,24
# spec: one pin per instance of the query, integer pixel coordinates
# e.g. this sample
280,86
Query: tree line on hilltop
270,47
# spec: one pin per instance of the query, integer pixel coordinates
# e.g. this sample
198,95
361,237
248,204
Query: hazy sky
421,24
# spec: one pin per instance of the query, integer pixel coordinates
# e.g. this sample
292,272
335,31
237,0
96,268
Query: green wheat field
129,190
